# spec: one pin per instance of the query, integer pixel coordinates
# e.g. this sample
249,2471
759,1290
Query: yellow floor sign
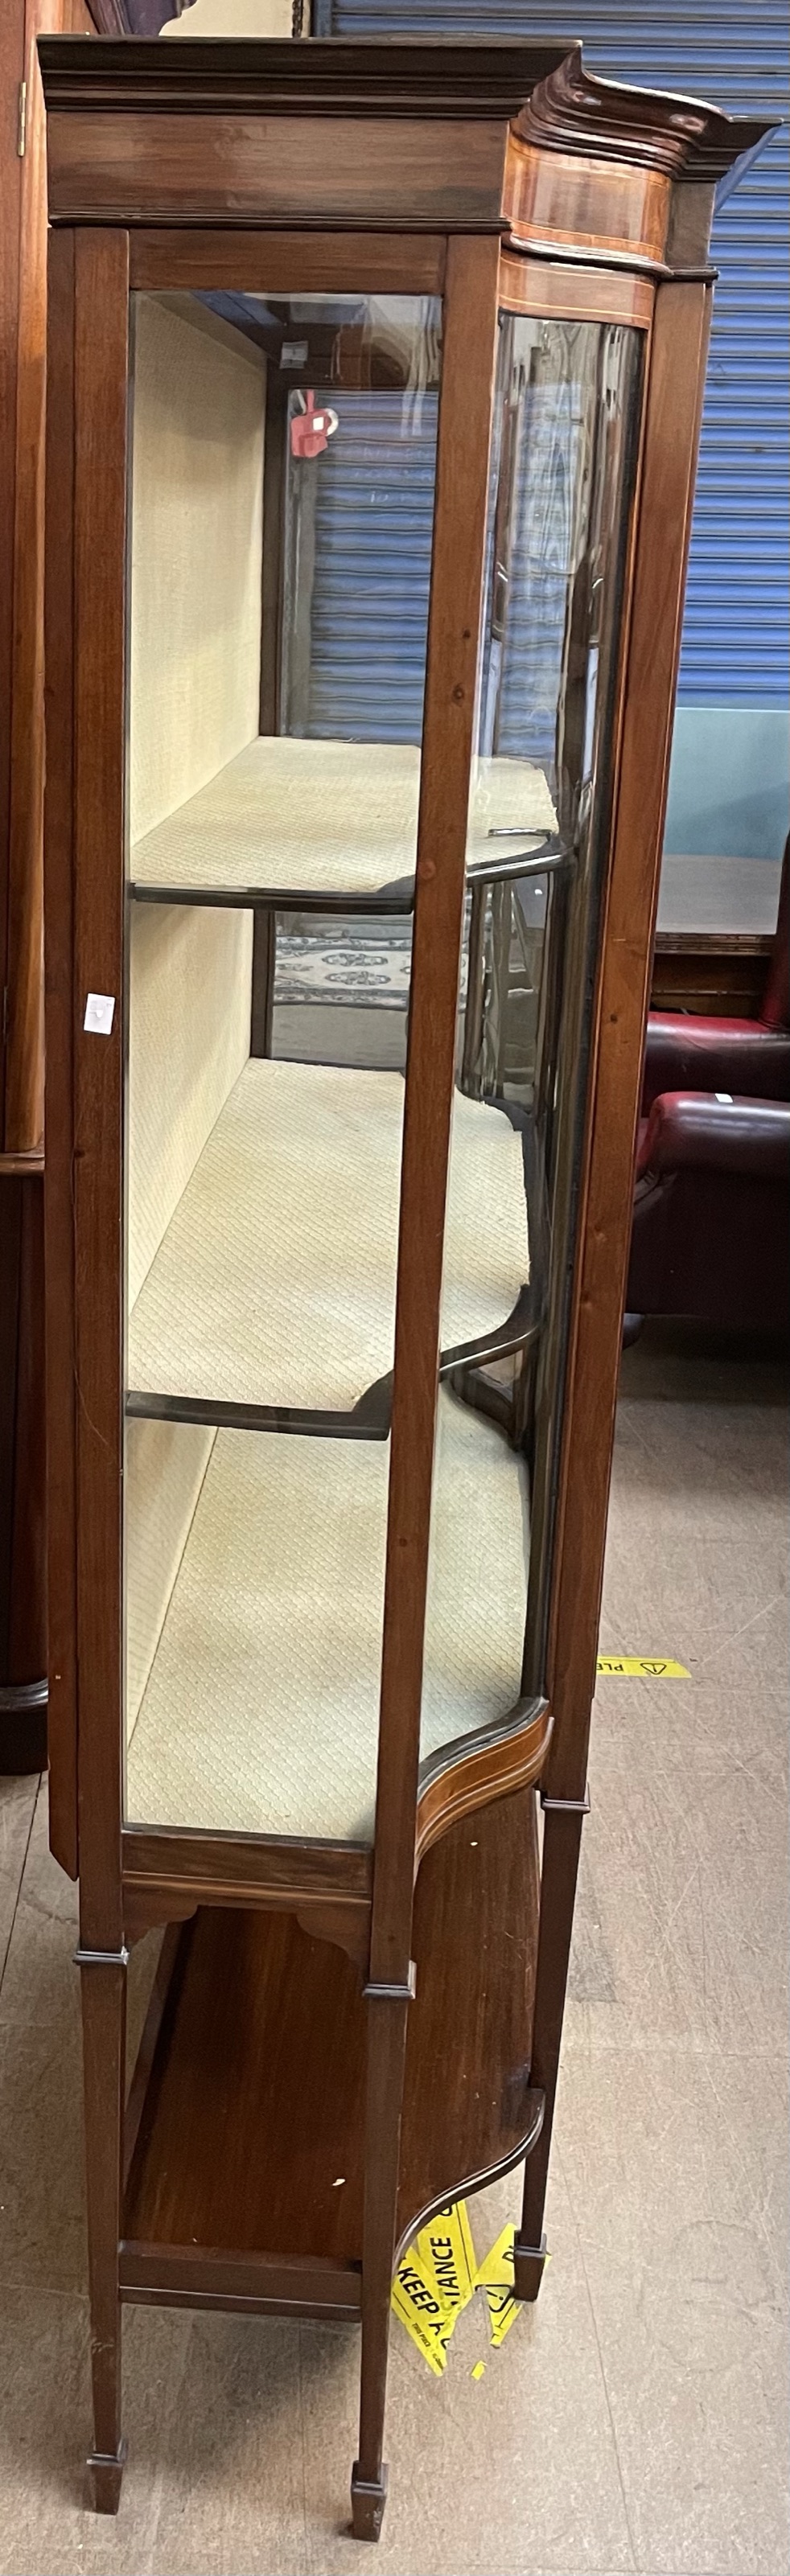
652,1665
434,2283
438,2276
495,2277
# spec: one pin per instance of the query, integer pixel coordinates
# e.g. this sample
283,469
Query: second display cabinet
374,383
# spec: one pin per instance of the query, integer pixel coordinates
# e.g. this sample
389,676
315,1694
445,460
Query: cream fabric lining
323,817
261,1709
275,1281
165,1464
189,1033
197,529
197,535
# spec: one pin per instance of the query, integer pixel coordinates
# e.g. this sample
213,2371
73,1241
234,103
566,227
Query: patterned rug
356,963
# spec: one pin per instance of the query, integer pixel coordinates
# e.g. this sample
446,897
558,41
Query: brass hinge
21,126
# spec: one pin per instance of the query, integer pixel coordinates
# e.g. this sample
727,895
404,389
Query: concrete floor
634,2419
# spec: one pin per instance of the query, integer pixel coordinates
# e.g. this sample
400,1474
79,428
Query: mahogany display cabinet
334,1294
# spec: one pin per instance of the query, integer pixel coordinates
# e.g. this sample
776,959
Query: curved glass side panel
563,472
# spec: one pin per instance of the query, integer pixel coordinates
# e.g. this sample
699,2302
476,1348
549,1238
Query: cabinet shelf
250,2142
274,1283
322,826
259,1713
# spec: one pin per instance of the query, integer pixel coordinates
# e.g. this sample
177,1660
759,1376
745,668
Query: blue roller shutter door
735,637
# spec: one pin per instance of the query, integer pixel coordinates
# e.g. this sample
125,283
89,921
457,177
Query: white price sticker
99,1013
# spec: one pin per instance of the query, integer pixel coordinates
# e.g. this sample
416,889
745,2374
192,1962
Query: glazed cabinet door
270,873
336,911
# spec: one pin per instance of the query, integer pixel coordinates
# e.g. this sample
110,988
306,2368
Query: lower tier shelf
250,2139
275,1281
260,1710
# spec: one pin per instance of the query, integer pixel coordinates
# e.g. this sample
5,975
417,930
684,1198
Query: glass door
279,453
281,500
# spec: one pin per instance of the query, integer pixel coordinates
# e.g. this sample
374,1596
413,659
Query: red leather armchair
711,1229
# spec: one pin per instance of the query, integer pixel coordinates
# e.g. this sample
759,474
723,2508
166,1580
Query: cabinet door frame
88,452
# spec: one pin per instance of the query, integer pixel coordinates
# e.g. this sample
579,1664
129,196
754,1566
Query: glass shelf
295,823
258,1712
275,1279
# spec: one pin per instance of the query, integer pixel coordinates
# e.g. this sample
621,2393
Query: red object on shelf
312,428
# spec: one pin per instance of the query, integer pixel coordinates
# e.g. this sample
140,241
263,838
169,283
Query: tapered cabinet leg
103,1981
386,2057
561,1845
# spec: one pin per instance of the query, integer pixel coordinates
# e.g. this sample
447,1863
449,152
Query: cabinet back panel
194,680
196,549
189,1036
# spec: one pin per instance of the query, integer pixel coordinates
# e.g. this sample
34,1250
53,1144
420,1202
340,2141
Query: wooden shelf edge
152,2275
166,1875
190,2276
479,2181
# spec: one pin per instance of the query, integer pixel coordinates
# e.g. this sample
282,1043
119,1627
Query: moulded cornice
573,111
375,75
543,90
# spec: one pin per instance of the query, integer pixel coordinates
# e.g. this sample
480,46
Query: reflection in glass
562,471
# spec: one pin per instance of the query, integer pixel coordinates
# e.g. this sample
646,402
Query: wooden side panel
12,55
10,1263
255,2101
22,400
23,1645
27,1642
100,381
24,1115
461,494
58,919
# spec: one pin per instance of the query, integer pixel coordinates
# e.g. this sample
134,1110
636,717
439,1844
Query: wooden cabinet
335,1290
23,240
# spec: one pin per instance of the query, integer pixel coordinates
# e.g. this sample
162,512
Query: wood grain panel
239,1866
27,1622
24,178
12,62
399,172
100,376
350,75
283,263
587,294
256,2102
577,203
58,954
24,1112
247,2284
